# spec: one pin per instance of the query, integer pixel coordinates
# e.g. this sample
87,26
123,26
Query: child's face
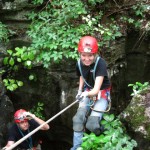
87,58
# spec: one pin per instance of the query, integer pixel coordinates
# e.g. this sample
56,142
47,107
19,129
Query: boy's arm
38,120
97,86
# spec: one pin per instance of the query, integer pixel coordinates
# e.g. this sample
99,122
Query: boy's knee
93,124
79,119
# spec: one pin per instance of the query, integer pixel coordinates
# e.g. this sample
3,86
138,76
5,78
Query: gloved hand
28,115
84,95
78,94
4,148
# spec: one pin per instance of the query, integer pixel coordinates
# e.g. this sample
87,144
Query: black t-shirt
15,135
87,72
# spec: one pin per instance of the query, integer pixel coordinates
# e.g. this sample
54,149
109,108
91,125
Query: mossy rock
137,114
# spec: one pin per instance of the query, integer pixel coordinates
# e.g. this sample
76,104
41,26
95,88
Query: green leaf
11,61
111,117
19,59
12,81
14,86
24,56
31,77
31,56
130,20
106,138
9,52
10,88
130,84
5,82
20,83
28,63
108,118
5,61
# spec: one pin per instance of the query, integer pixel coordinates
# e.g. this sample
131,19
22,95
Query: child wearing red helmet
93,83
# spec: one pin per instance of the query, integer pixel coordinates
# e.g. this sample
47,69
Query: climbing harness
107,110
39,127
104,94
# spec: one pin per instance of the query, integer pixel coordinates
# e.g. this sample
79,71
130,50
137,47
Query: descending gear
79,119
93,124
105,94
88,44
19,116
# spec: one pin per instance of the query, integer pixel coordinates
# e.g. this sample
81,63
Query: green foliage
3,33
135,22
12,84
53,32
137,19
108,32
140,9
138,87
18,58
114,137
37,110
56,30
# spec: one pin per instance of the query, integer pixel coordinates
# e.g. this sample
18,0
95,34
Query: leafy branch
15,59
138,87
37,110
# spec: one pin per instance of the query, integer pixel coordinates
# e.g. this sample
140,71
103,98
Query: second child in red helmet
93,83
25,122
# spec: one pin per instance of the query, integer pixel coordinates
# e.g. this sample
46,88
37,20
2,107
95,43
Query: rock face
56,90
128,61
137,117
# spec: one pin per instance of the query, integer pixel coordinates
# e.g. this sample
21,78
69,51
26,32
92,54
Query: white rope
39,127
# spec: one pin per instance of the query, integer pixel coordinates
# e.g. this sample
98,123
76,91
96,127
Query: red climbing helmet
88,44
18,116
